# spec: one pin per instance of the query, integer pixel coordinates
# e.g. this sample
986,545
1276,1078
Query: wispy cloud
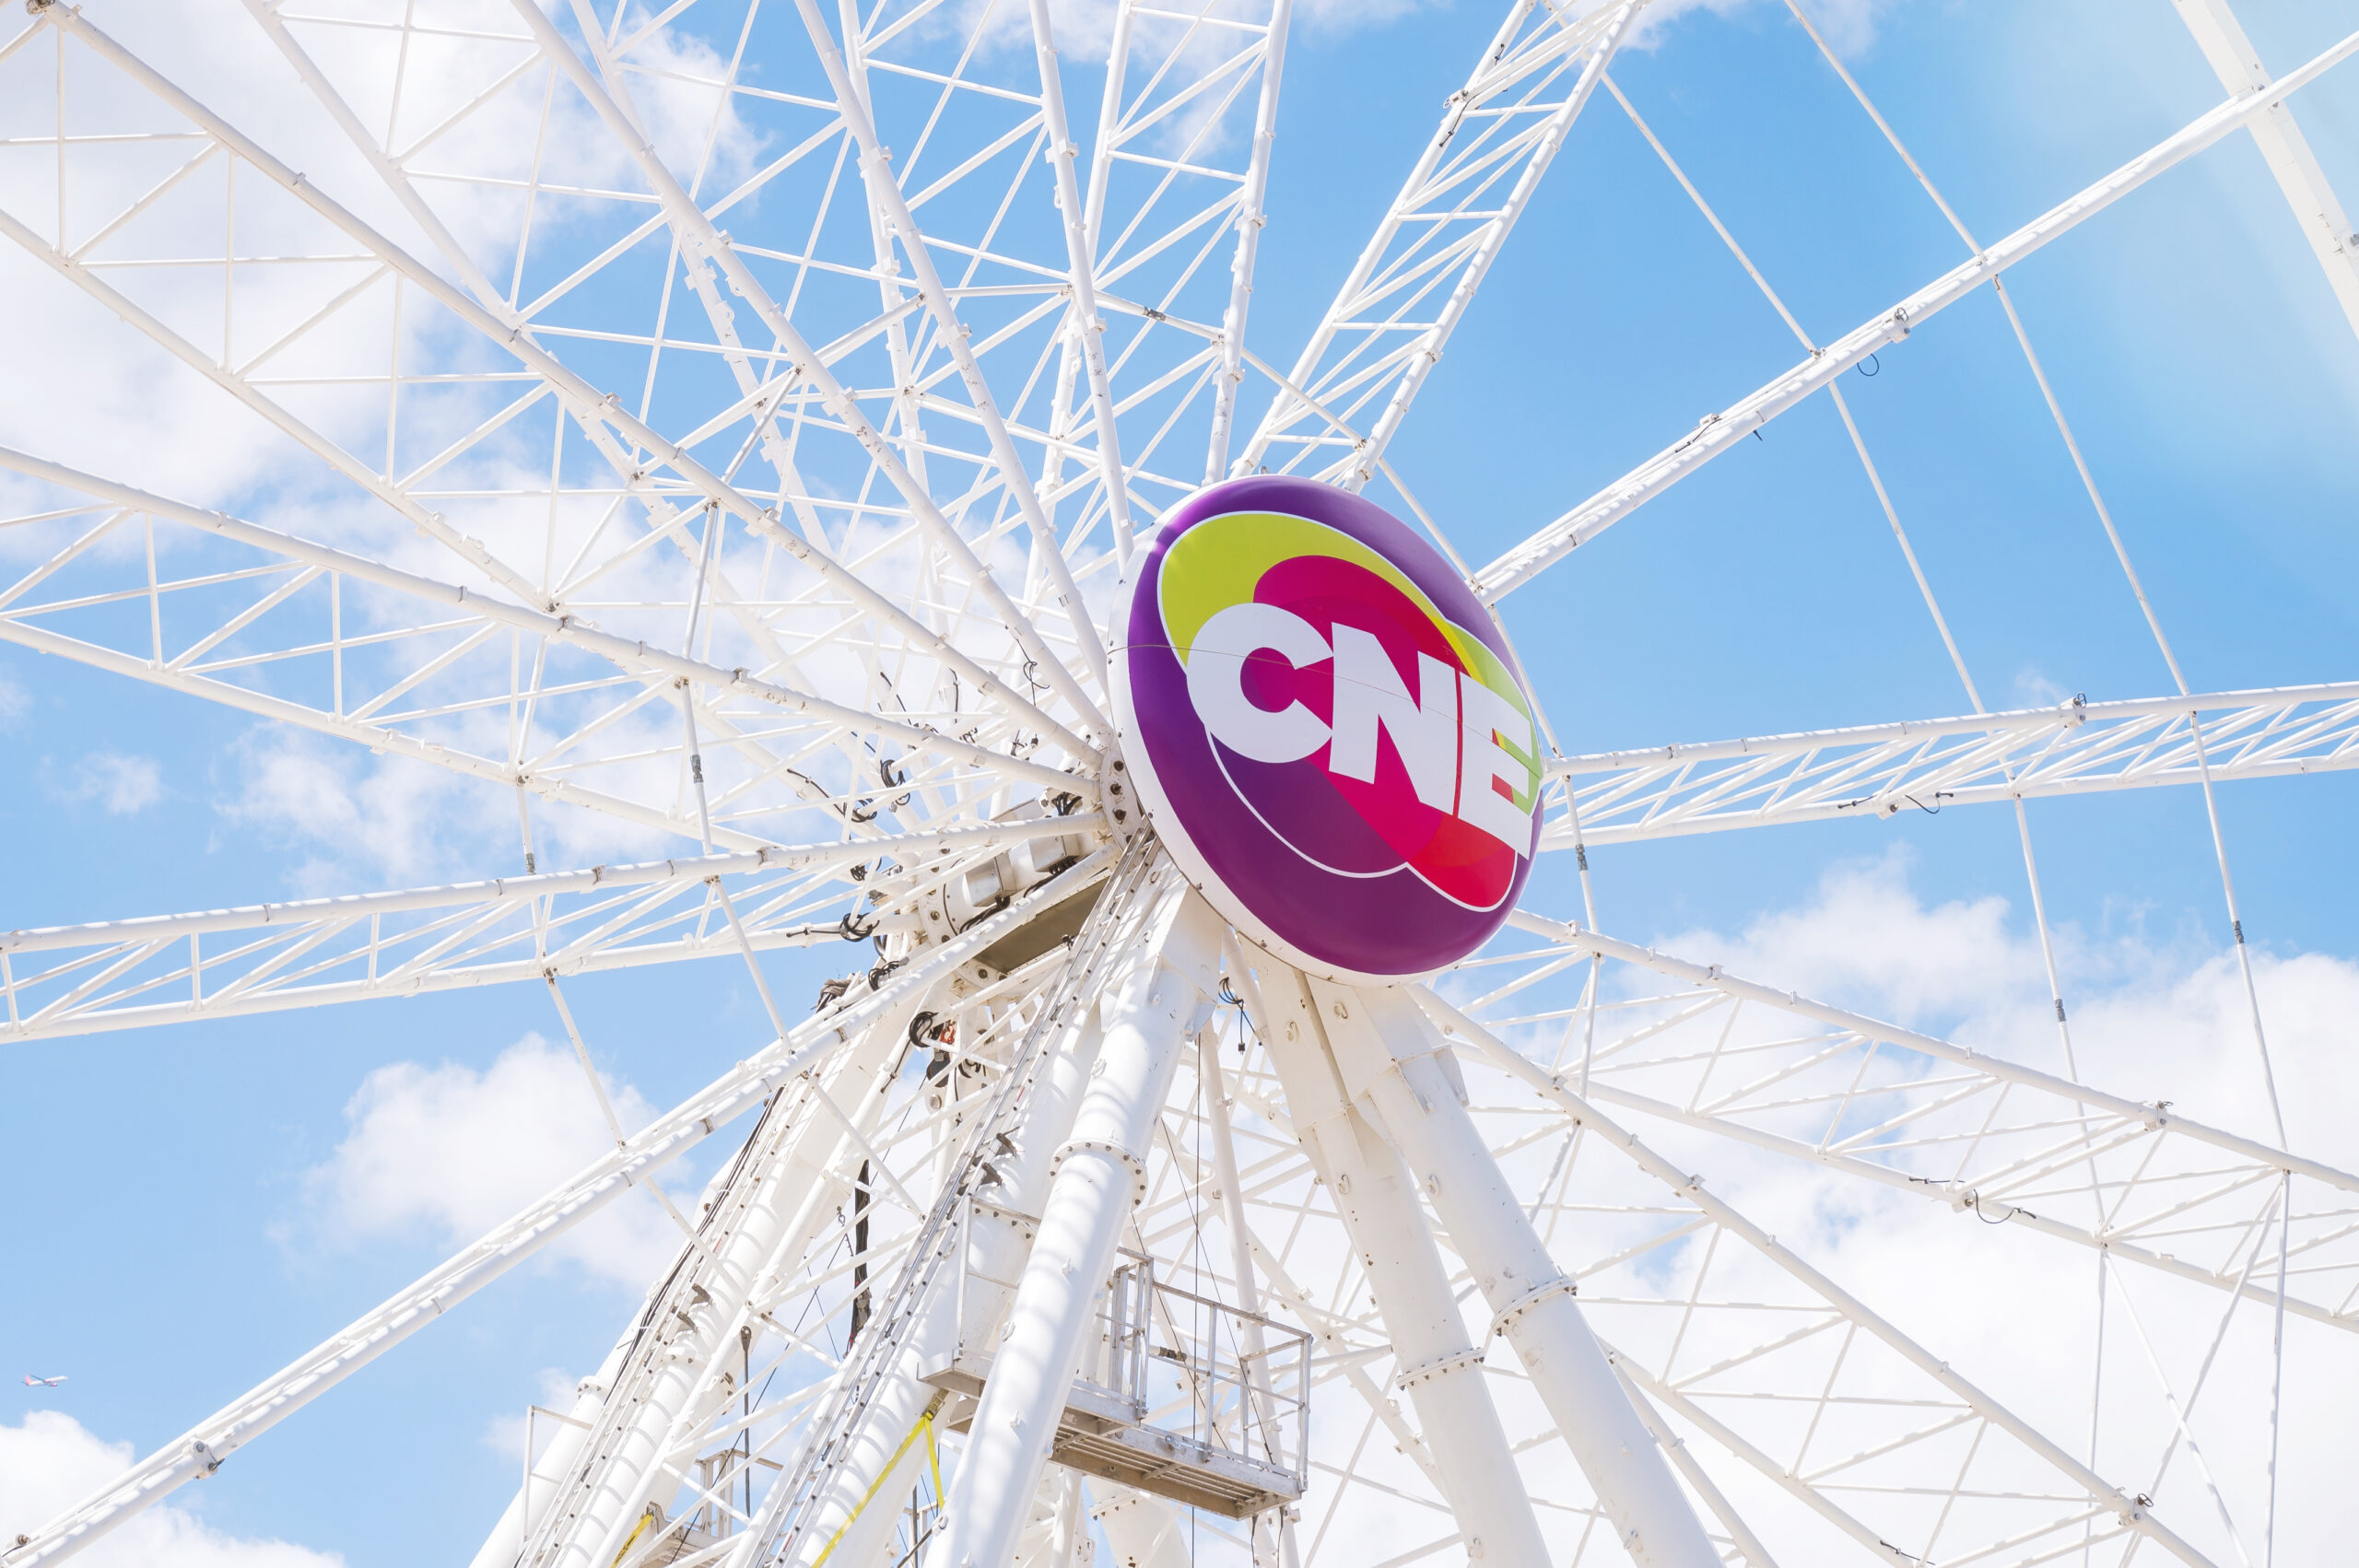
1849,27
120,785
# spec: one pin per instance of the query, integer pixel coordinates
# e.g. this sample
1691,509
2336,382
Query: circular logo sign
1326,730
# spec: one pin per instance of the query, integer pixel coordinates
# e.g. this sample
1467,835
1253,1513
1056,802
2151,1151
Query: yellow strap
644,1520
925,1424
933,1458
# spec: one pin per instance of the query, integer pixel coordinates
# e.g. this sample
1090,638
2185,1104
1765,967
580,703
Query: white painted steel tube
200,1450
1147,1016
996,1250
1440,1368
673,1359
506,1541
1387,1051
2133,1512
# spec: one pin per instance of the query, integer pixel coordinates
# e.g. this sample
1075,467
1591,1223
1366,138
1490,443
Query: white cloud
121,785
15,702
391,820
52,1461
2034,689
448,1151
2152,1016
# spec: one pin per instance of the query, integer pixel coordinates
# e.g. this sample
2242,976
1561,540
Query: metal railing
1173,1360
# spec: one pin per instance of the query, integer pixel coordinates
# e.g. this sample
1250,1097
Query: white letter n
1369,694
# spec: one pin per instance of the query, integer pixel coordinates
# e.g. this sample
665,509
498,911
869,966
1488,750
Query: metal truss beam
1712,977
1880,770
1390,322
2132,1511
202,1449
514,335
1971,1131
703,239
114,974
2323,221
1719,432
634,656
792,1509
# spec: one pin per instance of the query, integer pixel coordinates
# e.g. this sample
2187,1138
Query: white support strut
1394,1064
1147,1016
1447,223
1874,771
1439,1365
512,336
2324,223
1712,976
201,1450
998,1242
771,1207
2133,1512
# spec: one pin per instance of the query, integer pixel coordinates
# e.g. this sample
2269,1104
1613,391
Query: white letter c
1216,681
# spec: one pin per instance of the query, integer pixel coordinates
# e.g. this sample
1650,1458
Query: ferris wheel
840,438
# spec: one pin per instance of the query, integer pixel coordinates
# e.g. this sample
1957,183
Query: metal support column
1439,1366
1400,1073
1147,1015
997,1244
672,1369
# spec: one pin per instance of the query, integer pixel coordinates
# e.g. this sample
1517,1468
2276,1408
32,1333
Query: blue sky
172,1227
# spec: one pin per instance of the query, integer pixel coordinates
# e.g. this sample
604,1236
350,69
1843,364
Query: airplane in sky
32,1382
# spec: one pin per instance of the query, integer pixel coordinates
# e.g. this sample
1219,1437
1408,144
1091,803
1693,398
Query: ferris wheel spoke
1988,1139
1903,1453
703,242
1877,771
388,160
497,65
1718,433
1419,272
1177,173
151,970
760,1076
344,645
625,441
891,213
916,387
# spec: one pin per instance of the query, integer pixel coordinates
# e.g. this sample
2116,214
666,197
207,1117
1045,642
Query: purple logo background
1317,868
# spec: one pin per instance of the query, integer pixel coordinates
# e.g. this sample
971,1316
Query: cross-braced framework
736,418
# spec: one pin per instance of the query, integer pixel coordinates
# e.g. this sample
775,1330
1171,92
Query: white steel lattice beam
635,656
1976,1132
1390,322
1719,432
1880,770
112,974
2104,1498
702,239
514,335
2324,223
202,1449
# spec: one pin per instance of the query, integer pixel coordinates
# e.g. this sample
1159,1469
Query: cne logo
1326,720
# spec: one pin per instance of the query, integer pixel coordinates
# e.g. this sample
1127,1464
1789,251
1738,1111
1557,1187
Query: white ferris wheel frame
989,821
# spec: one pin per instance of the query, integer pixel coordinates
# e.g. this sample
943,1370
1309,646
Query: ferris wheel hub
1326,730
